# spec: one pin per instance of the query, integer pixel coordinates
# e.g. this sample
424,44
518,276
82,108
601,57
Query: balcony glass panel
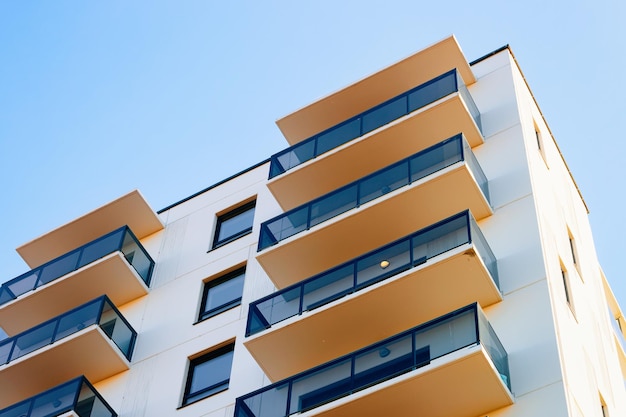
99,312
372,267
433,90
477,171
337,136
383,114
379,362
77,395
372,119
402,173
338,202
121,240
469,102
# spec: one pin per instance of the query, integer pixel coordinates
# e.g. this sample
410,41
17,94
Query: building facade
419,248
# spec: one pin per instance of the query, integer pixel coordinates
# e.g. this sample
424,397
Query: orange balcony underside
88,353
131,210
111,275
374,224
375,89
445,283
464,386
376,150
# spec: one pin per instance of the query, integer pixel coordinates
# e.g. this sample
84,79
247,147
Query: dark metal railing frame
354,262
103,300
79,382
5,287
239,403
276,168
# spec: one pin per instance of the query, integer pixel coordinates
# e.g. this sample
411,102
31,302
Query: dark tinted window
234,224
208,374
222,294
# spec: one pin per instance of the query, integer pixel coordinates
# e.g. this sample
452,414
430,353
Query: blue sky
99,98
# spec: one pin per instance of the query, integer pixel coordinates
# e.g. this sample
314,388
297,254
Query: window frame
567,289
573,247
540,143
203,314
205,392
230,214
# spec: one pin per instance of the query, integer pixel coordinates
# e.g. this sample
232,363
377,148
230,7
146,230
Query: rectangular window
603,408
208,374
566,286
234,224
222,294
572,247
540,145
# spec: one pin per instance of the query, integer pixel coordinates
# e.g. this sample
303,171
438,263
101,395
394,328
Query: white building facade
419,248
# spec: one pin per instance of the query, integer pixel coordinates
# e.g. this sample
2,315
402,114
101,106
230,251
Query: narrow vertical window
540,144
538,137
566,287
572,247
603,408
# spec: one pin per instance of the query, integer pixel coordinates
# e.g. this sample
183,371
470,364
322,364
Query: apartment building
419,248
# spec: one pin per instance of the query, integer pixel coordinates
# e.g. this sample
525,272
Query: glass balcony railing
400,174
122,240
406,103
77,395
100,312
382,361
401,255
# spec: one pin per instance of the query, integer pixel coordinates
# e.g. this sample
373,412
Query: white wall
552,343
164,319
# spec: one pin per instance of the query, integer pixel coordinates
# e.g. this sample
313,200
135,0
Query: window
222,294
565,285
234,224
538,137
208,374
605,413
567,288
572,247
603,408
540,146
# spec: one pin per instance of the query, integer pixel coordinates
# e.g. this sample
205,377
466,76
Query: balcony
451,366
439,268
414,193
92,340
130,210
377,88
391,131
115,264
77,397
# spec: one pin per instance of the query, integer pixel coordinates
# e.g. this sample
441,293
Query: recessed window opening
603,409
222,293
572,247
567,288
208,374
540,144
234,224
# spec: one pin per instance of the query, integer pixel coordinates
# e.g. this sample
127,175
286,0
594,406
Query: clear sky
98,98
